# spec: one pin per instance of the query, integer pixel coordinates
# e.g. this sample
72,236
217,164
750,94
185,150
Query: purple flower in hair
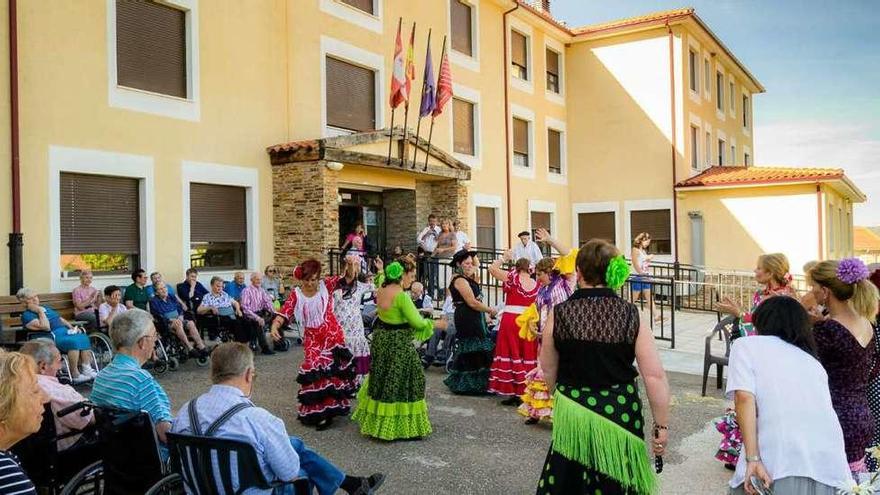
852,271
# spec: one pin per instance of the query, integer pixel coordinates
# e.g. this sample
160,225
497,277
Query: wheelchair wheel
173,364
102,349
90,480
160,366
171,484
282,345
203,361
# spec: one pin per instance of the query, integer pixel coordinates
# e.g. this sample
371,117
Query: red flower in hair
298,272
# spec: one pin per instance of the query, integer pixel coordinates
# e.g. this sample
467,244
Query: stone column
401,225
449,199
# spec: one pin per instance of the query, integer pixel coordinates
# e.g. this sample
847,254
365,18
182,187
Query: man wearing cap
527,249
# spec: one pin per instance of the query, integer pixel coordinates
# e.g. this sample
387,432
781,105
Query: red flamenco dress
327,373
514,356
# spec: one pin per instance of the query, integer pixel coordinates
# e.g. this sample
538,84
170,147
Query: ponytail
865,300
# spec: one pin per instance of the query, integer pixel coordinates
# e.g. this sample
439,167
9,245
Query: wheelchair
172,351
225,329
131,461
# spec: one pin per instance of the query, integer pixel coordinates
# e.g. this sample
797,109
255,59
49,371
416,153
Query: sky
820,64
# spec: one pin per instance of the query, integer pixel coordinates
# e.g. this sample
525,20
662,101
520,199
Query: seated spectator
167,308
228,311
21,414
155,279
124,383
69,339
111,306
86,300
423,301
256,302
191,291
274,283
48,360
433,353
281,457
136,295
235,287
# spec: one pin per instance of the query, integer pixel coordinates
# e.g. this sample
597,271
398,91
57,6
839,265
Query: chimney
545,4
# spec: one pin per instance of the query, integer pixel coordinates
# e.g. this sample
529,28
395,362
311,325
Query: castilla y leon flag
410,65
399,83
444,86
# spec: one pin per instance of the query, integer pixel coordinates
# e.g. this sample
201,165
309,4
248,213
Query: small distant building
866,244
734,214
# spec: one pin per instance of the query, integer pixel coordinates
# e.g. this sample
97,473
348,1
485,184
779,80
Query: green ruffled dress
391,401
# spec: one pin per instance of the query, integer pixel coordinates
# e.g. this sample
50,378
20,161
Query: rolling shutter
99,214
462,34
599,225
463,126
554,150
351,96
485,227
552,62
365,5
518,49
520,136
217,213
151,47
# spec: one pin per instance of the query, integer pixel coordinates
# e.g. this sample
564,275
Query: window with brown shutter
351,96
541,220
100,223
520,142
657,224
486,228
151,47
598,225
461,19
554,151
217,226
365,5
463,127
552,71
519,55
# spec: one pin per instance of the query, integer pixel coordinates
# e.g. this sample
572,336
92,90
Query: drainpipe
672,144
507,144
16,238
820,227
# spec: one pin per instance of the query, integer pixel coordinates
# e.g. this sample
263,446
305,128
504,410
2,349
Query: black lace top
595,333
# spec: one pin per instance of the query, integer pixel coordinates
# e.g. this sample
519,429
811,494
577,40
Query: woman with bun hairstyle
844,344
391,401
327,374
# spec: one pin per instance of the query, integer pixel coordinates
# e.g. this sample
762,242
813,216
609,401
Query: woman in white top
641,262
795,444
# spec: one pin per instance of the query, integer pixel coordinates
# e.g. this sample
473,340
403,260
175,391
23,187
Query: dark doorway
365,208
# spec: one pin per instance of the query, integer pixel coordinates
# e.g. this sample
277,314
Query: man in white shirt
427,240
527,249
463,241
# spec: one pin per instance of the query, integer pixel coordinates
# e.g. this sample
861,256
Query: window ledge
747,131
464,60
694,96
472,161
524,172
330,131
154,103
555,178
525,86
354,15
720,114
556,98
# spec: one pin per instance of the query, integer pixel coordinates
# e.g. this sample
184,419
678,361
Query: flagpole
431,129
391,129
419,120
406,102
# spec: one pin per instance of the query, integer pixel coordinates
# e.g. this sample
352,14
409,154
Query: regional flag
444,86
398,75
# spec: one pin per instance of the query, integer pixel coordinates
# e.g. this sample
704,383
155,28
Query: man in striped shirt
123,383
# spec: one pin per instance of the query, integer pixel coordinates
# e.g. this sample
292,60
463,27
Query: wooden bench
11,330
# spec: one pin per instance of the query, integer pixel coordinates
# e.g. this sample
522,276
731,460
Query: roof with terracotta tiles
631,21
735,176
865,240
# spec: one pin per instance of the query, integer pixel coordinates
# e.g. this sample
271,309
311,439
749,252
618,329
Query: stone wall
449,200
401,218
305,210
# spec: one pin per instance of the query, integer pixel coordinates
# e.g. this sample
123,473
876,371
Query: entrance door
374,223
349,217
698,249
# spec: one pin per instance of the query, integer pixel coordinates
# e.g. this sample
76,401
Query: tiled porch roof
727,176
865,240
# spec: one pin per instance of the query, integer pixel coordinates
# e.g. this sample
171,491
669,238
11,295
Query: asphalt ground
478,446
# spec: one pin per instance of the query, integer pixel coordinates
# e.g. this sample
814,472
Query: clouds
854,148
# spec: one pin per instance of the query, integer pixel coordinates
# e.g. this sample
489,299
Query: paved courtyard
478,446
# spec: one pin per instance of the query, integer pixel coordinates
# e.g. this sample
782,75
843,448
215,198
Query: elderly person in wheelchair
70,340
167,309
229,315
226,411
259,307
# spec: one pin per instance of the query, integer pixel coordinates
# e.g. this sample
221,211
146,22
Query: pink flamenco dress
537,401
327,373
515,356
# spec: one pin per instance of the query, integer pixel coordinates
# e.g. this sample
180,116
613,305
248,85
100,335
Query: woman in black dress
469,373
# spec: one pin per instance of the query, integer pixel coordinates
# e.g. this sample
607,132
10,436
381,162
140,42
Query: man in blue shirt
123,383
235,287
155,279
281,457
167,309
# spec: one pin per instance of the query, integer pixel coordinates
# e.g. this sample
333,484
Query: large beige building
230,135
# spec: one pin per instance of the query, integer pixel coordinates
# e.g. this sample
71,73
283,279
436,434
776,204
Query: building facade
232,135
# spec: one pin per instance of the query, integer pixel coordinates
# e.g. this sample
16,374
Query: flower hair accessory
617,272
298,272
852,271
394,271
787,278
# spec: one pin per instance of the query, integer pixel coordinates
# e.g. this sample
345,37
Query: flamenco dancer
469,372
514,356
391,401
347,307
326,375
556,280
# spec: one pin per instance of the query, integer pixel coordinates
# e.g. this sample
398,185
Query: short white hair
42,350
129,327
25,293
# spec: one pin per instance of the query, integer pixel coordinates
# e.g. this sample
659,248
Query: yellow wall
839,232
5,158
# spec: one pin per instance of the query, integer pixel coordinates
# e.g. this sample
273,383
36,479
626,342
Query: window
746,111
554,151
733,154
519,52
463,127
708,149
599,225
218,226
485,228
830,230
721,148
151,47
552,71
732,97
351,96
747,159
707,70
719,91
695,156
657,224
520,142
461,16
94,235
365,5
542,220
694,71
